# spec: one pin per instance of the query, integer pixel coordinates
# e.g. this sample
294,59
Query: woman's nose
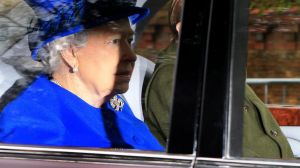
129,54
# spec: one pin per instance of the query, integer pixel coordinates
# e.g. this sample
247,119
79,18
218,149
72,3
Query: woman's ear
70,58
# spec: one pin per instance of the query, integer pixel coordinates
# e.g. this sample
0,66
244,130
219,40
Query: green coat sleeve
157,101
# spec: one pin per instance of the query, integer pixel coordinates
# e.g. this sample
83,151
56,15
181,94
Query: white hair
51,54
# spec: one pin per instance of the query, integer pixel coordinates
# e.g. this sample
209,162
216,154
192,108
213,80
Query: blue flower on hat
59,18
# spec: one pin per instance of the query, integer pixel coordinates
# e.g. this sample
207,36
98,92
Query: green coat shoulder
262,134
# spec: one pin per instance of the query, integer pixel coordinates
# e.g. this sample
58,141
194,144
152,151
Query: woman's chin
121,88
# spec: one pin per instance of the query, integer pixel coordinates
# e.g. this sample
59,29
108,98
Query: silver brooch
116,103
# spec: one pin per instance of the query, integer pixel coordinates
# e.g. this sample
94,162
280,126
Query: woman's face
106,62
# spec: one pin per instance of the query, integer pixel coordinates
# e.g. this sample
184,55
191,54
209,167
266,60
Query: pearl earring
74,69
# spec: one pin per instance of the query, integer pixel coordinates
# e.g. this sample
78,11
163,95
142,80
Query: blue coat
47,114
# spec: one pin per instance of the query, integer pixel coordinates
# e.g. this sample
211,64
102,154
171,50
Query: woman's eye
113,41
117,41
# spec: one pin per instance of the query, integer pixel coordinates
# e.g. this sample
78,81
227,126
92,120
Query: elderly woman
86,45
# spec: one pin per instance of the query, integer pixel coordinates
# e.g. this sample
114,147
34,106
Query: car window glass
273,69
19,74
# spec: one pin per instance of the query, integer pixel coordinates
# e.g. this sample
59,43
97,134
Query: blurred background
273,67
273,47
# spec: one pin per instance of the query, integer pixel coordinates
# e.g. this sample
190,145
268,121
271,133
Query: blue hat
59,18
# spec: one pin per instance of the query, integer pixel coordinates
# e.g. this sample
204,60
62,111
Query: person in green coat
262,136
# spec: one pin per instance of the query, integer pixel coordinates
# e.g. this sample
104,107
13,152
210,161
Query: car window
34,34
272,69
201,74
224,87
20,71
